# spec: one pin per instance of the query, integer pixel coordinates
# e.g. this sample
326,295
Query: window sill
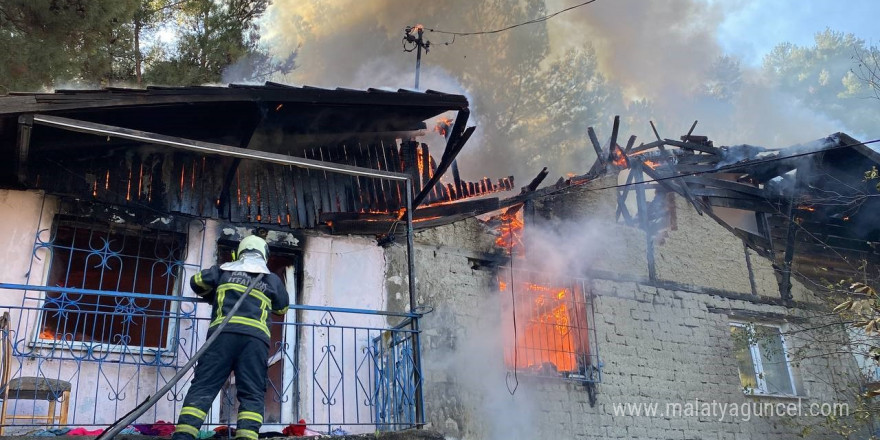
777,396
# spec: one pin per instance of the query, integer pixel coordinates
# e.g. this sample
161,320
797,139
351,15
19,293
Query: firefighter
243,345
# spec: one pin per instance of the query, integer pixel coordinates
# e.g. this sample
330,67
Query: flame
806,208
510,231
420,162
620,159
48,335
547,338
443,125
651,164
846,219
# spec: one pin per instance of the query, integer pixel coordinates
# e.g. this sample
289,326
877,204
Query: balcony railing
333,367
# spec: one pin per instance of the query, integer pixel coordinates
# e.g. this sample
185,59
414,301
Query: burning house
420,298
672,274
115,197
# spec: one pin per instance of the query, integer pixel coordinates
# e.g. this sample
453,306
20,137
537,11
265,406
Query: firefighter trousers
244,355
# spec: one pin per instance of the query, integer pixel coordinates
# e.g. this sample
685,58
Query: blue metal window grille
396,379
340,374
552,336
97,257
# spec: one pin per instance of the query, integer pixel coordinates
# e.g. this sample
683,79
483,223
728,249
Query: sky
750,28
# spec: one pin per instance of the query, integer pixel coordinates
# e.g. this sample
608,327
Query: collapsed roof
808,208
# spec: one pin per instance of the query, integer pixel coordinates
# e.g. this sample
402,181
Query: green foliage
46,42
824,79
79,43
873,174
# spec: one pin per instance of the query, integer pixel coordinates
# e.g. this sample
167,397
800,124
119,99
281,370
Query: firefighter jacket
223,288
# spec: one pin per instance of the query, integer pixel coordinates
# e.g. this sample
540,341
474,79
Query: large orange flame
620,160
443,125
547,340
510,231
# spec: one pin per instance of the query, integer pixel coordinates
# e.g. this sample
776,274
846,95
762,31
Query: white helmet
254,243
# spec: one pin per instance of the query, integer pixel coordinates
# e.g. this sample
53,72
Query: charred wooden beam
410,156
654,129
365,216
622,194
692,159
687,137
629,144
645,147
748,205
456,179
22,147
424,166
675,185
360,227
688,169
443,210
612,143
693,146
643,219
743,188
457,140
533,185
223,210
719,192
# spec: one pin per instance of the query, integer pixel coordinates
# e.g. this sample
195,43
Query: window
762,359
551,334
93,256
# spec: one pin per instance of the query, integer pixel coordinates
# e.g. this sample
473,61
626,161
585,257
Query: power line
532,21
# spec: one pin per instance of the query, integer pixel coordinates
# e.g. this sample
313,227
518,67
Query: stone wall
663,341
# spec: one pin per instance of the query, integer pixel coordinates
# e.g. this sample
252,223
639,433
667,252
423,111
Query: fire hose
139,410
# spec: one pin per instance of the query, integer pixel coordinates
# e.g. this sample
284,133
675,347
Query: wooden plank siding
190,184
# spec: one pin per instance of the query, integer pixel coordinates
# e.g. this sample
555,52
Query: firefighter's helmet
254,243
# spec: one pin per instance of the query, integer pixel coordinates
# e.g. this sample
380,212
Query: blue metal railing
336,368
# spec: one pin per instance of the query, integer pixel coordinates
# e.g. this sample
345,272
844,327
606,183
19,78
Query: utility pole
412,41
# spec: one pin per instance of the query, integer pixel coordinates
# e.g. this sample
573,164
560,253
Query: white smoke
656,51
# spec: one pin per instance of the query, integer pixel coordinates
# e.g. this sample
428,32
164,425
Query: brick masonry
660,342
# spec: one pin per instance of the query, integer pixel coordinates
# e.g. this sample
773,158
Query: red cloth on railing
295,429
224,431
162,428
84,431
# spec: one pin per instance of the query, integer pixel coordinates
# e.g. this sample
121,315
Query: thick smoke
659,52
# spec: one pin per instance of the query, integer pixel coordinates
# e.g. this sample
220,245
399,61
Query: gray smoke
660,52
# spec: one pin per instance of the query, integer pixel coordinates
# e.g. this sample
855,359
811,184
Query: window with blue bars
118,260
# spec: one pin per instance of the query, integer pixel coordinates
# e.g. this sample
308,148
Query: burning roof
808,208
53,138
